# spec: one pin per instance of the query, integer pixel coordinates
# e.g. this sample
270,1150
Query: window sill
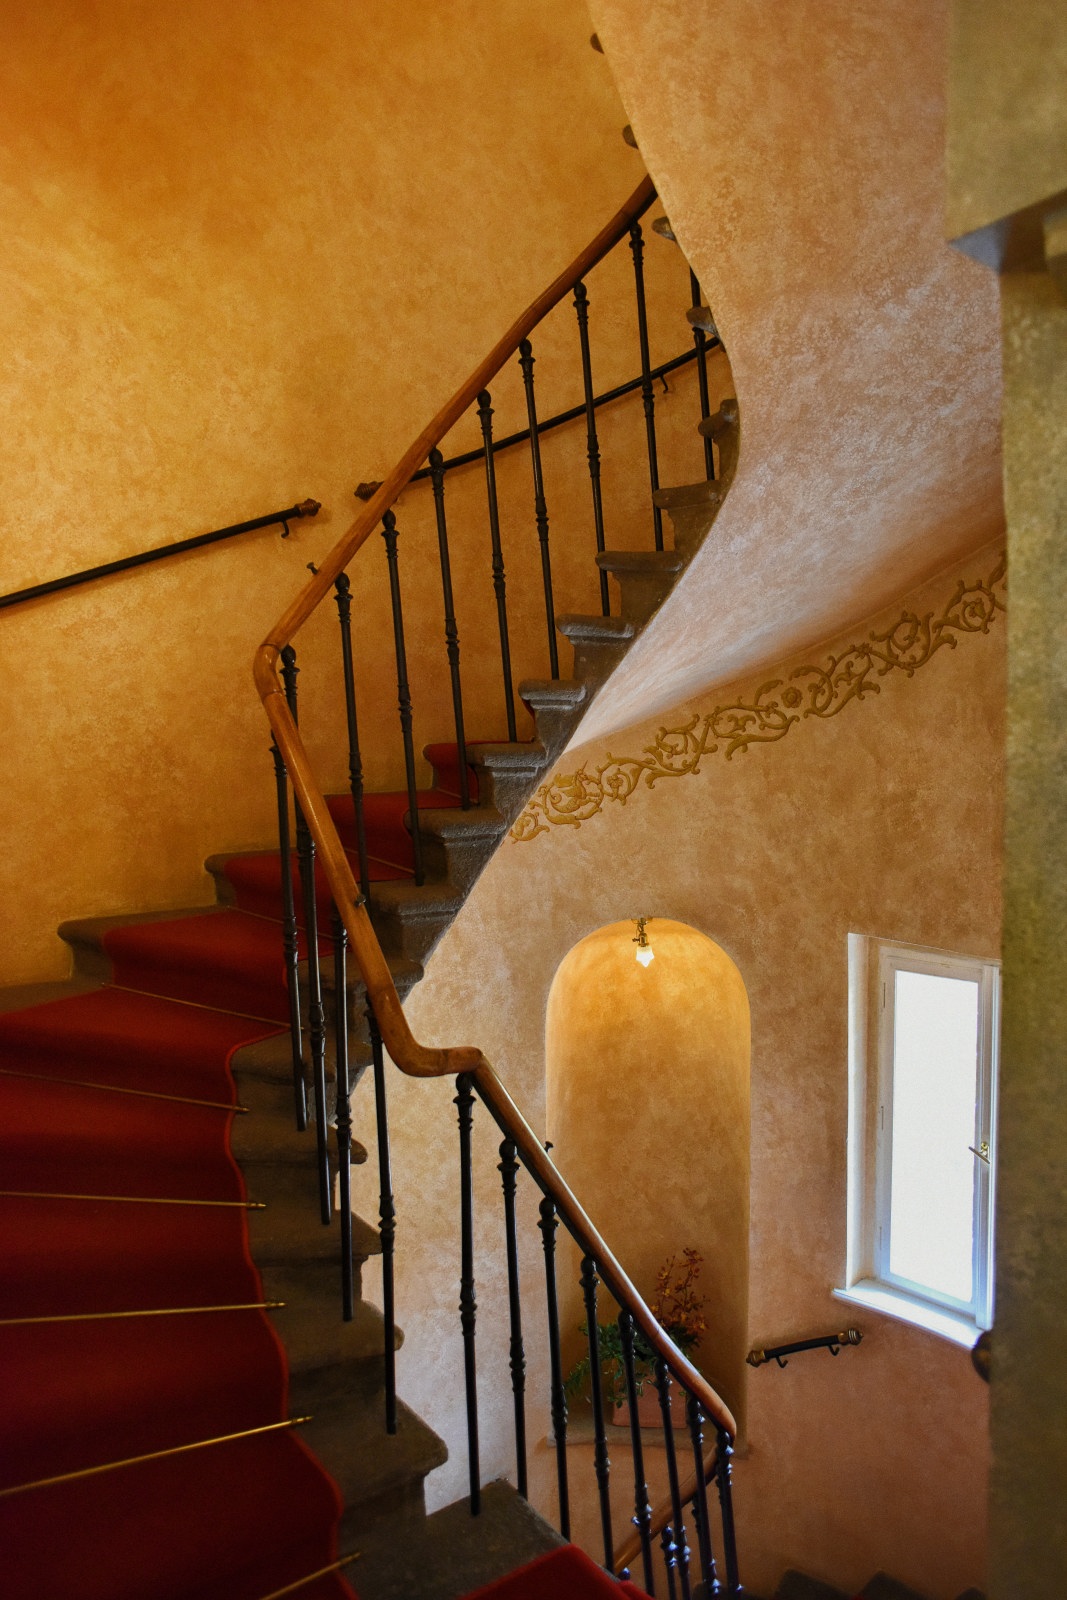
951,1325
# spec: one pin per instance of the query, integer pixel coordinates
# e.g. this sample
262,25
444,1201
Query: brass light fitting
644,952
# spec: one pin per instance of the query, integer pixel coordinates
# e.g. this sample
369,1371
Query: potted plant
678,1308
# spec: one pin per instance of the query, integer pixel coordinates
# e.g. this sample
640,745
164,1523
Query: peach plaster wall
885,819
800,153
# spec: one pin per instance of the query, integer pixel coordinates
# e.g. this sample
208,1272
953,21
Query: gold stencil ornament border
765,717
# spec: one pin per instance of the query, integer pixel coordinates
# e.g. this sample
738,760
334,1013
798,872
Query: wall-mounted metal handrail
364,491
834,1342
73,580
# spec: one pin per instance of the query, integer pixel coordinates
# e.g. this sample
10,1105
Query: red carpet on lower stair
88,1229
563,1574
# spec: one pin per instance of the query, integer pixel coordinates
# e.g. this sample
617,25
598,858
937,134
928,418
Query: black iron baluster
343,1113
386,1216
637,245
389,534
601,1463
681,1550
290,939
581,306
526,362
548,1224
642,1517
305,850
729,1538
343,591
709,1576
670,1560
468,1306
508,1170
485,415
437,478
700,339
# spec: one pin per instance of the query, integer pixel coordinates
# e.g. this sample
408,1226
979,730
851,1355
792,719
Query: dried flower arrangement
676,1306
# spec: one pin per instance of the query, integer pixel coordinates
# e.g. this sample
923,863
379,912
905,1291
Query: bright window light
922,1110
935,1062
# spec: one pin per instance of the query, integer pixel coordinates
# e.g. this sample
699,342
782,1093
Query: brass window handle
982,1152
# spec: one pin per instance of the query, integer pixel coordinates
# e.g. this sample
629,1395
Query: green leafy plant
677,1307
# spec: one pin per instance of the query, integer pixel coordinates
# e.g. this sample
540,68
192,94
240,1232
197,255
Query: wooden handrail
409,1055
627,1552
549,1179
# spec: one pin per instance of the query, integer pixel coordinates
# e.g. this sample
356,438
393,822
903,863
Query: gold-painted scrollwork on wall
765,717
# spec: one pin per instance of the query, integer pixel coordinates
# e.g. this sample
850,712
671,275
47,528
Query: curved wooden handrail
403,1047
409,1055
625,1554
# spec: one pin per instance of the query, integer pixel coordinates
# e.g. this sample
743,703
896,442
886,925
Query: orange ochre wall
249,250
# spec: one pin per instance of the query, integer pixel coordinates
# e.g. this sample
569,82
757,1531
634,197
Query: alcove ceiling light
644,952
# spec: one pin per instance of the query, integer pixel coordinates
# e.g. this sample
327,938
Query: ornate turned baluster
508,1169
700,339
437,478
485,415
468,1306
681,1549
709,1576
581,306
637,245
343,591
290,939
389,534
601,1463
729,1539
386,1217
526,362
305,849
343,1115
548,1224
642,1517
670,1560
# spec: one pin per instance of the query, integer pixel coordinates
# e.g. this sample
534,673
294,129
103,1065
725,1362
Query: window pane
935,1063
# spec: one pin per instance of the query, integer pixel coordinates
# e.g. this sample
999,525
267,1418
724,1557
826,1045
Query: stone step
645,578
410,919
599,644
453,1552
692,508
557,705
373,1470
509,773
701,317
457,844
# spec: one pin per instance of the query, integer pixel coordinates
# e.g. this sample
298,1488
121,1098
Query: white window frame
873,964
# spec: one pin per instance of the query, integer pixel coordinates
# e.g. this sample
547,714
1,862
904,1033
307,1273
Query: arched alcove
648,1109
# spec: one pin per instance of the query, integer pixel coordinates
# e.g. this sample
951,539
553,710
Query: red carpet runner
132,1339
85,1388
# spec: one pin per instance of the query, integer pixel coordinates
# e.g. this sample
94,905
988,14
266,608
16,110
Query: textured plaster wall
1029,1531
799,151
248,251
625,1046
1008,151
1007,143
885,819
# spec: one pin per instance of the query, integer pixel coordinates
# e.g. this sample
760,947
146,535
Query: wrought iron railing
318,846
